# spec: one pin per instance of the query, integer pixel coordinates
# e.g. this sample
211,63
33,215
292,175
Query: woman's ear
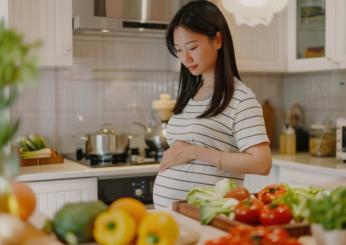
218,40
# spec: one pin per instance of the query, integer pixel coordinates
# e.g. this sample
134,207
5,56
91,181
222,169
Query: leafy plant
17,65
330,210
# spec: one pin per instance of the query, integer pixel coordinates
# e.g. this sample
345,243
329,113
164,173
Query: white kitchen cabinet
313,36
340,27
255,183
49,21
261,48
52,195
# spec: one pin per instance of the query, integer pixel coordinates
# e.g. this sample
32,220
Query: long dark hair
205,18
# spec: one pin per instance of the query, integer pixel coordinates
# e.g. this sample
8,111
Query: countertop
71,169
304,161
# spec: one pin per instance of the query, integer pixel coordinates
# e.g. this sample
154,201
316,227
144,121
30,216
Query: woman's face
196,51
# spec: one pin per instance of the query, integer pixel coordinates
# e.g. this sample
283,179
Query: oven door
141,188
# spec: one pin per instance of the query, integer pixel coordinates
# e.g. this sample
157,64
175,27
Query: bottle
283,141
290,141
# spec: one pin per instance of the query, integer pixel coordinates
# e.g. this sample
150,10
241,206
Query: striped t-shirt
238,127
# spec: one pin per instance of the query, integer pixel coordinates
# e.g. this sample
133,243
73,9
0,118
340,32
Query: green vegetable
17,66
198,196
224,186
298,200
74,222
210,209
329,210
31,143
46,152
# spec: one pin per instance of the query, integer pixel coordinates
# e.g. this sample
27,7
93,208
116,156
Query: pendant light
254,12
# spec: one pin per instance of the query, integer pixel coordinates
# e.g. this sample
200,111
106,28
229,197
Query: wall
321,94
65,104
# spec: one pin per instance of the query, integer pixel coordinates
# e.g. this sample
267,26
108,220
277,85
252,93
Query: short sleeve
249,128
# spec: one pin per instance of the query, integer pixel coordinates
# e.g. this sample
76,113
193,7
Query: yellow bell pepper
158,228
114,227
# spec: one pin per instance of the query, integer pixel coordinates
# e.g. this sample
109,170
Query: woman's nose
187,58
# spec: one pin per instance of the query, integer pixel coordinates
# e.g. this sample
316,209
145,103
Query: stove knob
138,192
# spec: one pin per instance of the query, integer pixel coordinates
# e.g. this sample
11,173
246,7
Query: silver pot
106,141
155,137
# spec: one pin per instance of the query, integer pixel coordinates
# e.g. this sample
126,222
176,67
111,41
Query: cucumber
30,145
37,141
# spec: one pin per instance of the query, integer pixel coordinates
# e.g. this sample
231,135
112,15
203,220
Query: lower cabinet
303,178
254,183
295,178
52,195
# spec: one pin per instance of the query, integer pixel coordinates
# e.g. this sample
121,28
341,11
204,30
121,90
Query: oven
111,188
141,188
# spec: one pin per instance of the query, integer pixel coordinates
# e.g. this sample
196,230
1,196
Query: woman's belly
175,183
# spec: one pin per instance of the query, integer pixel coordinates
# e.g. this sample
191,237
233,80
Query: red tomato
275,214
248,211
224,240
276,236
292,241
271,192
239,193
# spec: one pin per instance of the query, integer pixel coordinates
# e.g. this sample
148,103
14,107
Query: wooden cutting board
269,119
224,223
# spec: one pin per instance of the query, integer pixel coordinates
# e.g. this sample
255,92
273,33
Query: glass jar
322,141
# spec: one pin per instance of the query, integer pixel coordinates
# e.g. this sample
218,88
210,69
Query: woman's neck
208,80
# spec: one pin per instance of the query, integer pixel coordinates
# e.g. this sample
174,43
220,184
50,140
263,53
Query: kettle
155,137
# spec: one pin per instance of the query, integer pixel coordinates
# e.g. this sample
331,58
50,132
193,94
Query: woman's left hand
179,153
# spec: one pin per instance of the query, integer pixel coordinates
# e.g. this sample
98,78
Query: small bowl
323,237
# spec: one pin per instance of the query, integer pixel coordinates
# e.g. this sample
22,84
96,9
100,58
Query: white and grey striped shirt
238,127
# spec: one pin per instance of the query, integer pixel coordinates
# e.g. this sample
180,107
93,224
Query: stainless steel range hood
124,17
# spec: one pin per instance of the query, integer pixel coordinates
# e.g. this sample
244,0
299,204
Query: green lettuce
298,200
198,196
329,210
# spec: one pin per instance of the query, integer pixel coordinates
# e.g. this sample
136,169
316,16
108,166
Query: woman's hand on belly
179,153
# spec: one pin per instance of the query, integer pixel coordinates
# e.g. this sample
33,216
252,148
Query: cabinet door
52,195
267,53
340,27
311,35
49,21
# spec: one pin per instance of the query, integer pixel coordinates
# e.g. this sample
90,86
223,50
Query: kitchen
89,79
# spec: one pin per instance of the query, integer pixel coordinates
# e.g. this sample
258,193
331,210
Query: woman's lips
191,68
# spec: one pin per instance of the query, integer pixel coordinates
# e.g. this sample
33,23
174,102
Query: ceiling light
254,12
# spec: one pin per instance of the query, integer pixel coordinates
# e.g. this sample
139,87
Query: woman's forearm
255,160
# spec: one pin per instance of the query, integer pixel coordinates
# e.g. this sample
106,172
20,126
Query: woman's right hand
179,153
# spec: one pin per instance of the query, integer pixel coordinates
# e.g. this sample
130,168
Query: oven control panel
141,188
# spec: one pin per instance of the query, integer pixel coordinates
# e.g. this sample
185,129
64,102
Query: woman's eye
178,50
193,48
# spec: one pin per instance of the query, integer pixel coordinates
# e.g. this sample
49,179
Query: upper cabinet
340,27
311,35
261,48
49,21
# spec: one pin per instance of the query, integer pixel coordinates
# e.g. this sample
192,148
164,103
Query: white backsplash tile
319,93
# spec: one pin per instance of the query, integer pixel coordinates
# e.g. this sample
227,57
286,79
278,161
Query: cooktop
109,160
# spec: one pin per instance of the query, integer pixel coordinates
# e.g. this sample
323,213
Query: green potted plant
17,65
328,217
